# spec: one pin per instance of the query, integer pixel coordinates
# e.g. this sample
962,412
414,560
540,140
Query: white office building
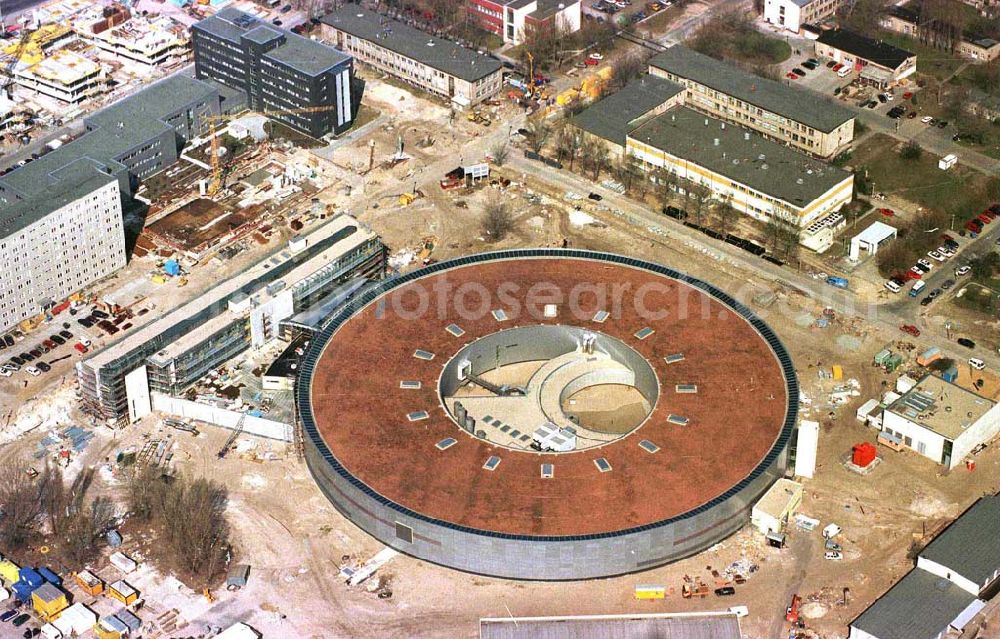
52,248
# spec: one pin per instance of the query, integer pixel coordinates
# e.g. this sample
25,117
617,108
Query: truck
918,286
839,282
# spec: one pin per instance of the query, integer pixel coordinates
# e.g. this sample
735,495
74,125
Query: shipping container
931,354
50,576
9,571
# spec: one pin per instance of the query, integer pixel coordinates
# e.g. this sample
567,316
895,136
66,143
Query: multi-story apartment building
53,247
301,83
65,76
437,66
513,20
171,353
756,176
794,14
794,117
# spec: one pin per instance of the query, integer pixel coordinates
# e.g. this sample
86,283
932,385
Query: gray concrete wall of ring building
534,558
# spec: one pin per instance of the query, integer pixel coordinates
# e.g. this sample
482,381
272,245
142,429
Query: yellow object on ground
159,279
48,601
123,592
9,571
406,198
90,584
838,371
650,592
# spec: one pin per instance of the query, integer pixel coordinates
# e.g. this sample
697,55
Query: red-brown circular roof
361,412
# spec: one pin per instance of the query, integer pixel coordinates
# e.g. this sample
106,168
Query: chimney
716,141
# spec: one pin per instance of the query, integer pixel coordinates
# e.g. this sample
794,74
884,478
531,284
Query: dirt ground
296,542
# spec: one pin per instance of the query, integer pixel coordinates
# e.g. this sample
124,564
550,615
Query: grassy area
930,61
960,190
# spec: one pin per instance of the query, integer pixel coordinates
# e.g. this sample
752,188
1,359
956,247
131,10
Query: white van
976,363
917,287
892,286
831,531
846,71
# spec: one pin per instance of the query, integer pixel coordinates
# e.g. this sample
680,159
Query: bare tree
699,194
539,131
625,68
498,220
666,186
499,151
22,499
726,215
568,144
594,155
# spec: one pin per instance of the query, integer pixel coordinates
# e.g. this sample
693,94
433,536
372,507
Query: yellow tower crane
214,120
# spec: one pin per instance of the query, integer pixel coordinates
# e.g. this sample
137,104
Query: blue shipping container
950,375
50,576
22,591
31,577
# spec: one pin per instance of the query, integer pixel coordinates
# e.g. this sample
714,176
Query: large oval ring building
547,414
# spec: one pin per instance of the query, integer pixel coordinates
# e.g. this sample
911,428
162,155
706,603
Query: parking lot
64,337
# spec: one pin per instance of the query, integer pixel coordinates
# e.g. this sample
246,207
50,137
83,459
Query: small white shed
871,239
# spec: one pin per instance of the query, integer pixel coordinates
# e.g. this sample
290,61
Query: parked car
44,367
945,285
910,329
887,212
33,371
882,98
725,591
7,616
977,363
100,314
936,256
50,345
57,340
8,340
833,555
966,342
80,348
799,72
20,620
28,357
925,263
66,334
832,545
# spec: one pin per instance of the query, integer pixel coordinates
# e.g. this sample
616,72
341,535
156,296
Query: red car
837,67
910,329
591,62
914,274
887,212
80,347
985,219
49,344
791,76
908,95
974,226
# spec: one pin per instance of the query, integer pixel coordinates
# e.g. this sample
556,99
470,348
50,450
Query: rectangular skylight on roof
455,330
504,428
499,315
648,446
492,463
643,333
446,443
602,464
425,355
686,388
548,471
673,359
409,384
601,316
515,433
524,438
677,419
488,418
496,422
417,415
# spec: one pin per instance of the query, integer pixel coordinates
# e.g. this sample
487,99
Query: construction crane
217,181
531,76
15,57
232,438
